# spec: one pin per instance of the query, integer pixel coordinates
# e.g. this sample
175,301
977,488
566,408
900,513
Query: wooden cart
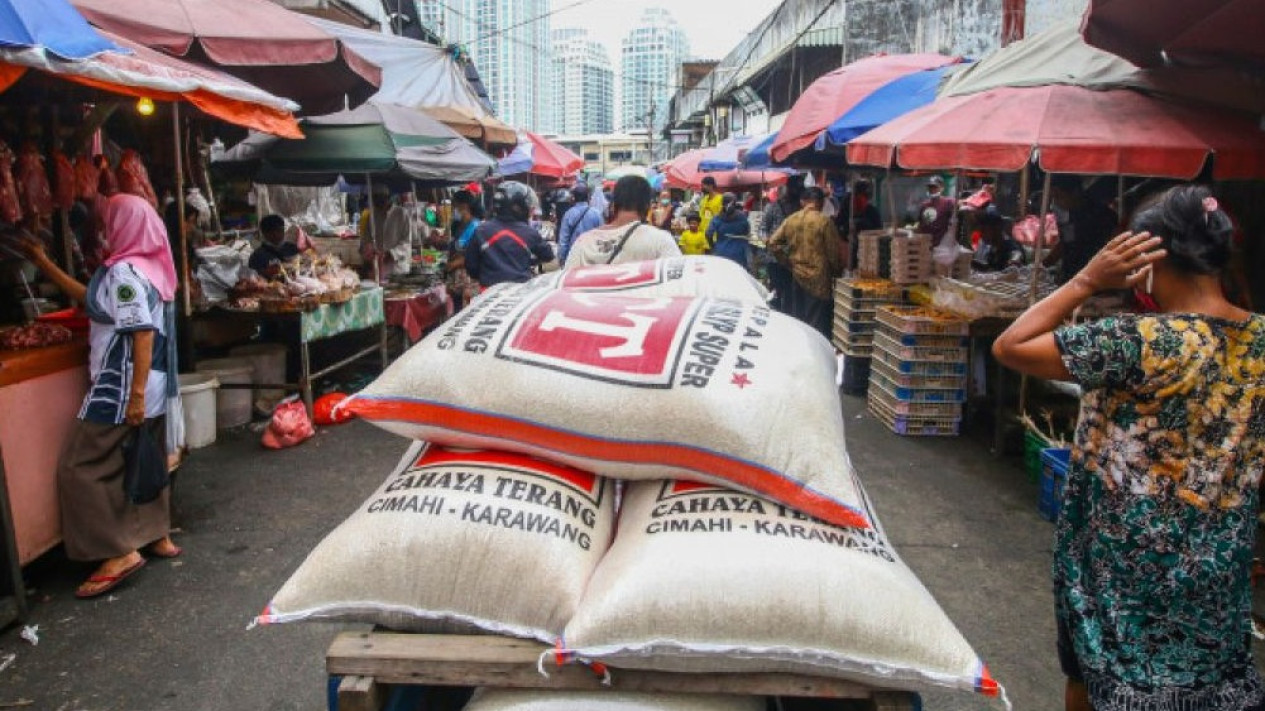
367,664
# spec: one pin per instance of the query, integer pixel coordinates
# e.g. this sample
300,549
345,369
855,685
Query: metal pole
1120,216
184,237
1036,275
1025,190
373,231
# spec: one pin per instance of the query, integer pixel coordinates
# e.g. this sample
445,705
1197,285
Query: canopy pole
1025,191
373,232
1036,275
1120,216
891,199
184,237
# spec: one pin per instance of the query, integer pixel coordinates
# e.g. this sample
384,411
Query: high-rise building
508,40
583,85
650,60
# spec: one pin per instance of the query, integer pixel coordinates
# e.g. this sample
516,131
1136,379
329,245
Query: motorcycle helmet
514,202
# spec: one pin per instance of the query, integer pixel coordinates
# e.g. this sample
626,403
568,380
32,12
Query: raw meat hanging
63,181
134,179
87,175
10,209
34,193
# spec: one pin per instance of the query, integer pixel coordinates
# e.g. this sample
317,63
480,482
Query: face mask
665,202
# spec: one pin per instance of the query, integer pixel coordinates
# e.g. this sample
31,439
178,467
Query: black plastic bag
145,465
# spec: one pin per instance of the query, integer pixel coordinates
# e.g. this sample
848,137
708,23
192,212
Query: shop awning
146,73
683,172
1068,129
485,130
836,93
1157,33
375,138
255,40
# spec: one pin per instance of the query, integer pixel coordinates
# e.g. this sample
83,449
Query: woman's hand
1123,264
135,412
33,248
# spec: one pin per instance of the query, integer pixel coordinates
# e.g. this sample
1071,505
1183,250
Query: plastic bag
145,465
290,426
1027,230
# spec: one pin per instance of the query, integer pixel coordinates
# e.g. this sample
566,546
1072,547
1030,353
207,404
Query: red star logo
741,380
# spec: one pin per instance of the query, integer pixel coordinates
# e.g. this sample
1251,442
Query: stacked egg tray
918,371
856,310
874,254
911,259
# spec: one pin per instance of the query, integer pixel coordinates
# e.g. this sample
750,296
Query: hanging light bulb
145,106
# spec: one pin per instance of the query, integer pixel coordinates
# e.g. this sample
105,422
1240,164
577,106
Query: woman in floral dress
1154,542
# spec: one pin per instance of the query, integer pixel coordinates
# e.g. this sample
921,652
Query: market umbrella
623,170
758,157
1157,33
683,172
836,93
728,154
519,160
1068,129
892,100
552,160
376,139
51,25
488,131
255,40
147,73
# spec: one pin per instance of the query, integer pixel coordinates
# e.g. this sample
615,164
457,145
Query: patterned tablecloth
420,312
365,310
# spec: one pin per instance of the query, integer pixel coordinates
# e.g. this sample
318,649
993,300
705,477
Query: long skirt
97,520
813,311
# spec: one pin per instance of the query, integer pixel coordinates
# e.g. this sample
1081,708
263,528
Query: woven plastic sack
701,579
632,388
713,277
459,542
533,700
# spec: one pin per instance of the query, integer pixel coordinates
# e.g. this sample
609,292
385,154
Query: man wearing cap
581,218
935,211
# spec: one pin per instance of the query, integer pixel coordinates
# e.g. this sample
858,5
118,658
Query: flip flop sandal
111,581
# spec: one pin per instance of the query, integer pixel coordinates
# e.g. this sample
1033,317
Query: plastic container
913,425
198,396
909,380
1033,444
915,367
921,321
938,354
232,406
1054,464
33,308
269,360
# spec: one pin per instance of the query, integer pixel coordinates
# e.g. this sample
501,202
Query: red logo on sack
614,277
624,339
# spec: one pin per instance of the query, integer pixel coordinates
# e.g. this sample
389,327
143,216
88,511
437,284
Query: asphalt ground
174,637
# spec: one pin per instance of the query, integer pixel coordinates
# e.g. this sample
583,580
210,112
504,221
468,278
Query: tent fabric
726,155
551,160
758,157
426,76
145,72
255,40
1184,34
1069,130
52,25
386,140
836,93
683,172
892,100
519,160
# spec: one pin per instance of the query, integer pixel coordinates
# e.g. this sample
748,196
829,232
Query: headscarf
135,234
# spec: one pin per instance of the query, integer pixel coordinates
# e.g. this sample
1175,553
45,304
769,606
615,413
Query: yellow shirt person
693,240
710,206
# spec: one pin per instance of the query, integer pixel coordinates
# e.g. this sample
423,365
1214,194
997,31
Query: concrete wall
960,27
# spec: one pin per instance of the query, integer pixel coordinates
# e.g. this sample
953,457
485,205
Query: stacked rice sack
744,543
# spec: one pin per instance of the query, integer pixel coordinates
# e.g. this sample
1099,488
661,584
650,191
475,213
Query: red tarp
255,40
1071,130
552,160
834,94
683,172
1192,33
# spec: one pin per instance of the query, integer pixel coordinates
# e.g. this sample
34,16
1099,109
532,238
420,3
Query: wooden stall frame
368,661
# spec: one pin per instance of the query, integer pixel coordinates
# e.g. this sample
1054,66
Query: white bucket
197,393
232,406
269,360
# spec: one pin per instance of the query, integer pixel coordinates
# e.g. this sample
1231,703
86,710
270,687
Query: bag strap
623,241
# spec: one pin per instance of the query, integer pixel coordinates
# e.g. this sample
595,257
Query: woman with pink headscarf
130,302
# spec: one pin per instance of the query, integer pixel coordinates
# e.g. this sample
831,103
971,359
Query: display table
366,663
420,312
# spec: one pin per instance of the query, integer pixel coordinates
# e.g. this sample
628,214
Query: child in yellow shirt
692,240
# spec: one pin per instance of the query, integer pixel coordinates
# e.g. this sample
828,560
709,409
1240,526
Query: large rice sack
632,388
540,700
701,579
459,541
712,277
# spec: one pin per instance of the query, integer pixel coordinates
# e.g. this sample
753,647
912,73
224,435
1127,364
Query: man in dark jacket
506,247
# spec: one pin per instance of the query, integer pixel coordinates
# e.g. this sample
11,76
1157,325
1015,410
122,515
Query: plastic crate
950,381
856,375
904,408
1033,444
942,354
1054,465
852,339
920,320
915,367
913,426
848,313
863,290
953,397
